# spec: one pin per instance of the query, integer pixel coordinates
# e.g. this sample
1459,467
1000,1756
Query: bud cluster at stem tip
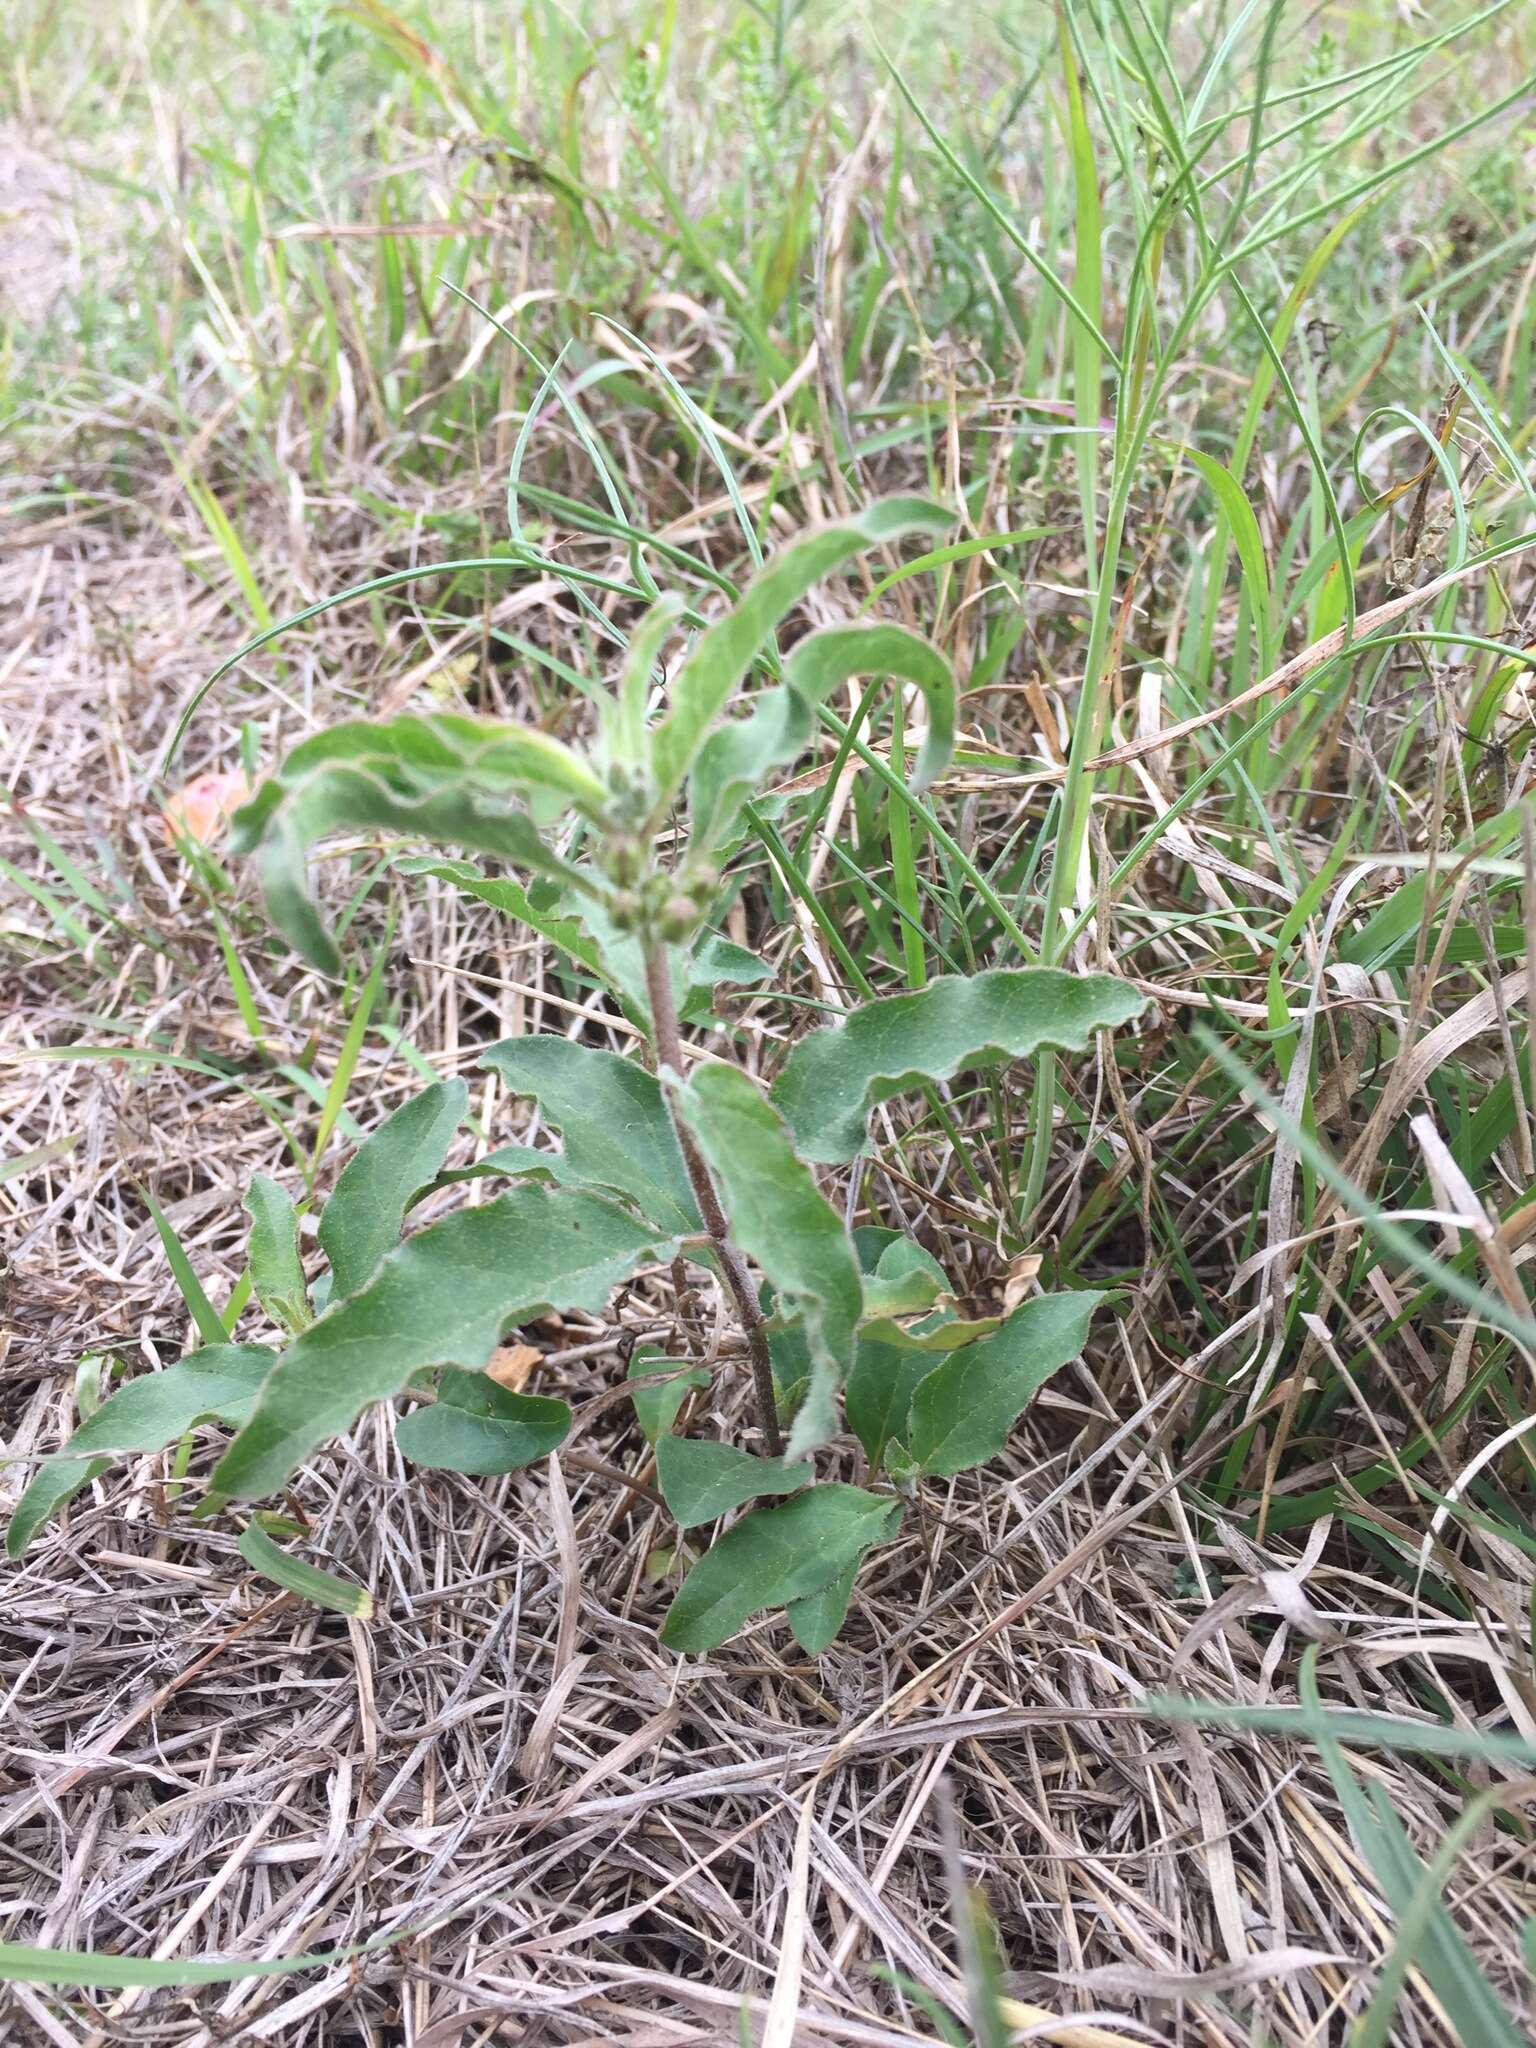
648,899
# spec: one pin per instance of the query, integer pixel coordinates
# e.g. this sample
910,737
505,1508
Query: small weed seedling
658,1162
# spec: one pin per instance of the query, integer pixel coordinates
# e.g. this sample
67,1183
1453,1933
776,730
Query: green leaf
210,1325
562,928
218,1383
320,1589
832,1076
363,1219
612,1117
737,759
656,1408
781,1219
962,1412
823,661
700,1480
441,1298
818,1619
445,780
906,1280
774,1556
277,1274
478,1426
723,653
20,1964
716,959
879,1392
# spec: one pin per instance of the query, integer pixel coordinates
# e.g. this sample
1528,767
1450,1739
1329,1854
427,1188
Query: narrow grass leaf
318,1588
210,1324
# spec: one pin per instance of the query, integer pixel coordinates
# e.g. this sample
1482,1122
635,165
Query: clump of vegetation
917,678
657,1164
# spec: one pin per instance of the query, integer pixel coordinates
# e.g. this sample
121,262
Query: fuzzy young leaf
723,653
478,1426
362,1221
611,1115
701,1480
817,1620
738,757
822,661
774,1556
962,1412
320,1589
656,1408
782,1220
448,781
218,1383
443,1297
277,1275
559,926
832,1076
905,1281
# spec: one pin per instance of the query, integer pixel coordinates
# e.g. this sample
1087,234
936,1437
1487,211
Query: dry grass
579,1838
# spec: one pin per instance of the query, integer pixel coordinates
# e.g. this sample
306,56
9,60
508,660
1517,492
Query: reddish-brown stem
668,1040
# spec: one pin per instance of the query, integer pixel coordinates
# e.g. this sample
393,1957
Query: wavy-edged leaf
217,1384
823,661
817,1620
723,653
774,1556
561,927
612,1118
656,1408
962,1411
833,1076
701,1480
446,780
905,1281
362,1221
277,1273
783,1221
441,1298
294,1575
480,1427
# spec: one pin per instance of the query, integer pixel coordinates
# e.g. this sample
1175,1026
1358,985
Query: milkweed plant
660,1159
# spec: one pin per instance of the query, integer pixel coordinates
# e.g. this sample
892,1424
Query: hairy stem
668,1041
